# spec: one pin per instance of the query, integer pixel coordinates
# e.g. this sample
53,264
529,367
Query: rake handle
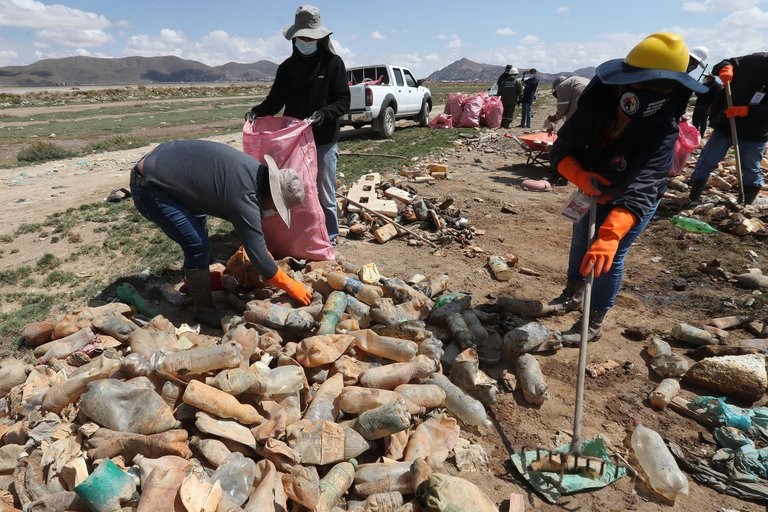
581,372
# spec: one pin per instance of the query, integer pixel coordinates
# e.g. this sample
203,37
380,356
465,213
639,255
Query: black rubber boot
572,337
570,299
199,290
697,187
750,193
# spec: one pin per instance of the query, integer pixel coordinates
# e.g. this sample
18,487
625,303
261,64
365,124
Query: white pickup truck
381,94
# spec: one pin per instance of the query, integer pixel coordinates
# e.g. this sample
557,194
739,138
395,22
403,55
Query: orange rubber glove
740,111
602,251
292,287
726,74
589,182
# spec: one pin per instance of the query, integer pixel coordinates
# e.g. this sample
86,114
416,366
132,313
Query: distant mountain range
465,70
75,71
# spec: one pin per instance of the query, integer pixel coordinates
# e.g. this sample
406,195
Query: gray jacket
568,92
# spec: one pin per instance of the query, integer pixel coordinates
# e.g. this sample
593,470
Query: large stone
740,377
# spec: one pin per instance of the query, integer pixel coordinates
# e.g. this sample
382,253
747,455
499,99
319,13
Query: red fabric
290,142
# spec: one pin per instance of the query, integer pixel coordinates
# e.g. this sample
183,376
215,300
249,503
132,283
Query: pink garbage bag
455,105
492,112
291,143
441,121
470,114
688,138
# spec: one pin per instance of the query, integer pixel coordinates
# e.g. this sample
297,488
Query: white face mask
306,47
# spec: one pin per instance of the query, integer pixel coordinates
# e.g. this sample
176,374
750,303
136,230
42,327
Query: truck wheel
386,123
423,117
357,126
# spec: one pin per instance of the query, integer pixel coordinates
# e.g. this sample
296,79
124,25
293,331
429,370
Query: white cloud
377,35
530,39
172,36
455,43
695,7
57,24
563,9
753,18
506,31
8,57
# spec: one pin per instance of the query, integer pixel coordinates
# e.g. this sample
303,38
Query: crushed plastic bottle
235,476
463,406
692,225
658,463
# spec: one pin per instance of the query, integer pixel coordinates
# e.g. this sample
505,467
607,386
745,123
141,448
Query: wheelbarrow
536,147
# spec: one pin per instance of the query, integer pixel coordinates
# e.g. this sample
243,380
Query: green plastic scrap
551,486
753,421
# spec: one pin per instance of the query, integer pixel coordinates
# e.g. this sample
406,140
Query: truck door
405,93
414,95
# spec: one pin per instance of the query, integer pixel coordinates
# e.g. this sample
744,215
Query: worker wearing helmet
617,148
510,89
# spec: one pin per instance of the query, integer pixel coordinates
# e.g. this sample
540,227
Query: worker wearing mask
617,148
312,83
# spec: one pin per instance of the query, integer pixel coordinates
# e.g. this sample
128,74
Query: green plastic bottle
692,225
128,294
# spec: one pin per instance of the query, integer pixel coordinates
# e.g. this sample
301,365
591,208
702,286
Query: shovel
735,142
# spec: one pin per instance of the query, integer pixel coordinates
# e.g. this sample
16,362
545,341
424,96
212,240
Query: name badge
757,98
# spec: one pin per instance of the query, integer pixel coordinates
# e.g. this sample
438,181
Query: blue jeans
526,119
327,157
179,223
714,151
606,287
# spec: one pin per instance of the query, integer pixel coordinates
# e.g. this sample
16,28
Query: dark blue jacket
636,162
750,76
530,85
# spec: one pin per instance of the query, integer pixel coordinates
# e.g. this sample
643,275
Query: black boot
570,299
750,193
697,187
199,290
572,337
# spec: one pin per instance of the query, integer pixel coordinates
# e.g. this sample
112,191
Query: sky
424,35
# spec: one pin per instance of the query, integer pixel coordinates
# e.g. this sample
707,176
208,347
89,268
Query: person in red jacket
617,148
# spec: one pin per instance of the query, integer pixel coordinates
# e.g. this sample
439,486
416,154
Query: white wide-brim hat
286,188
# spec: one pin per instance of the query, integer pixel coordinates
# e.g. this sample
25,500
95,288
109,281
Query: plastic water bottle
460,404
658,463
692,225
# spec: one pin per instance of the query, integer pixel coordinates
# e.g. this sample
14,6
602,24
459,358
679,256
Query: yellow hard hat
660,56
662,50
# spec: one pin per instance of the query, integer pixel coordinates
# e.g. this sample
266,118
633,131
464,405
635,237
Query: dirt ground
481,183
